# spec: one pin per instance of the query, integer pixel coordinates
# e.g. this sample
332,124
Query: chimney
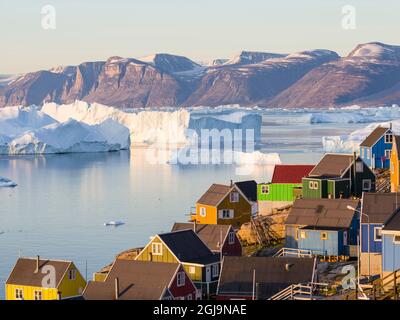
231,183
116,288
37,264
391,126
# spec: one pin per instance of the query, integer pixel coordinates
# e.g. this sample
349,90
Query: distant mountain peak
376,50
170,63
250,57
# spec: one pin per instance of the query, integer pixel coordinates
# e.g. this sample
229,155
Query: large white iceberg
7,183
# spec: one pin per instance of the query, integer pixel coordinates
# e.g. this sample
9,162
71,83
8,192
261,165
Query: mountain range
368,76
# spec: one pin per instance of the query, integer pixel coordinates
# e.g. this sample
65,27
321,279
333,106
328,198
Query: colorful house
395,165
220,239
391,244
185,247
284,188
376,149
143,280
223,204
323,227
38,279
377,208
339,176
259,278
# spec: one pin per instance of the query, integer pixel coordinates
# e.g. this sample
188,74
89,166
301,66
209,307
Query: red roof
290,173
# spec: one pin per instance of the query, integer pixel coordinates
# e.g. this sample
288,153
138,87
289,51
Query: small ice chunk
113,223
5,182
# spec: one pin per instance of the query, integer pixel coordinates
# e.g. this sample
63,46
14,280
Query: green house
284,188
339,176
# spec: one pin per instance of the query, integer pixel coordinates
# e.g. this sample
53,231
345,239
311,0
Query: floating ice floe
113,223
5,182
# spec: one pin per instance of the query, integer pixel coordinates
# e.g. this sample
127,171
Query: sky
203,30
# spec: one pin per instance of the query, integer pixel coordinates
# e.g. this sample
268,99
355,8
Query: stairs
262,228
300,291
382,181
297,253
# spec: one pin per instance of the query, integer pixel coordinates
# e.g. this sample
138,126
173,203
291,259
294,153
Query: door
208,274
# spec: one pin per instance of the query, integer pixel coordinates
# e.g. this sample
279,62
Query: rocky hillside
369,75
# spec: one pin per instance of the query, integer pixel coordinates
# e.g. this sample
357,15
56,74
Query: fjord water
61,201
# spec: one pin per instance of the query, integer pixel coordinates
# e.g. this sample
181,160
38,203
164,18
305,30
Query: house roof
214,195
290,173
138,280
374,137
271,273
332,165
24,272
379,206
393,223
248,188
329,213
210,234
188,247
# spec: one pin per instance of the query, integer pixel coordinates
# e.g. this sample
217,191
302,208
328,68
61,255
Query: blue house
324,227
377,208
391,244
376,149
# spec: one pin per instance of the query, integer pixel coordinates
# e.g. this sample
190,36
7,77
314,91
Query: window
192,270
303,235
378,234
180,279
215,270
72,274
388,154
359,166
156,249
189,297
234,197
345,238
265,189
38,295
368,154
226,214
313,185
388,138
202,211
396,239
366,185
19,294
324,235
231,238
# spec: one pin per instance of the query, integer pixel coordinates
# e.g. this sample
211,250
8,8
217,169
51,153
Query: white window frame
303,234
226,214
192,270
38,293
388,153
19,294
345,237
72,274
231,237
375,234
189,297
203,212
359,167
369,183
265,189
396,241
156,249
234,197
368,153
324,236
389,138
180,279
313,185
215,270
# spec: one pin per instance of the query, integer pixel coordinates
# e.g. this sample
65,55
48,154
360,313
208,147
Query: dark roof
215,194
138,280
379,206
374,137
322,212
188,247
396,142
290,173
24,271
271,273
393,223
210,234
332,165
248,188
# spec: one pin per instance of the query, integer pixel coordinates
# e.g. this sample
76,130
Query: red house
218,238
142,280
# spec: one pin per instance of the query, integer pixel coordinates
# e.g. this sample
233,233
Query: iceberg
7,183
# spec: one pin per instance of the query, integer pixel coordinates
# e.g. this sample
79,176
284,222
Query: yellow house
222,204
395,165
37,279
186,248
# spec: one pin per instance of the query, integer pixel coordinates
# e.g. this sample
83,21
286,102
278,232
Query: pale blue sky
202,30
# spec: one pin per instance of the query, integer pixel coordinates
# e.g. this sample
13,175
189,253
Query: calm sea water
61,202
